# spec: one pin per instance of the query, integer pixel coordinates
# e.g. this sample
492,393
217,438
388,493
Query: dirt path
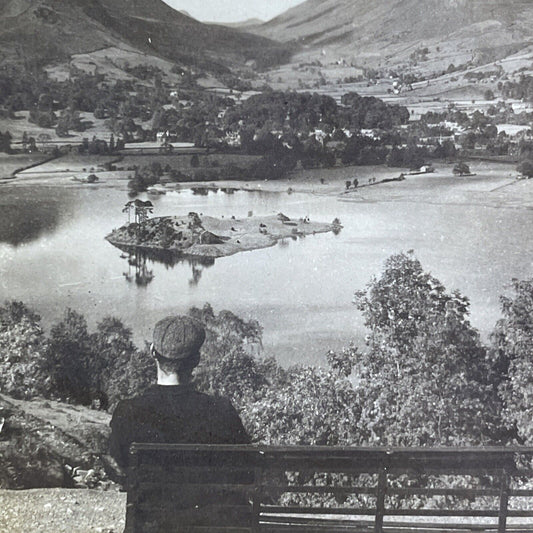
62,510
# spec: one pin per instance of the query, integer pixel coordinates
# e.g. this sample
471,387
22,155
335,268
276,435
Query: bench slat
227,479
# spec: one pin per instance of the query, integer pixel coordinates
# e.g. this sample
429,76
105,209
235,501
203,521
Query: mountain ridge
357,28
44,31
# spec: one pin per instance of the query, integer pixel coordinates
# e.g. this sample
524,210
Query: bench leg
504,501
380,504
256,500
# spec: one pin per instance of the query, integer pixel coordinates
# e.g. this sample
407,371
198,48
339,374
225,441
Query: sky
232,10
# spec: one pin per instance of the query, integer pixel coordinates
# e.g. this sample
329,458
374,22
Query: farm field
20,124
112,62
72,163
183,162
11,163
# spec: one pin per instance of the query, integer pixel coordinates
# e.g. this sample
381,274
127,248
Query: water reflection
139,259
24,223
205,190
137,269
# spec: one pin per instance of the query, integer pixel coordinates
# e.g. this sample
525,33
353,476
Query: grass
111,62
73,163
11,163
20,124
183,162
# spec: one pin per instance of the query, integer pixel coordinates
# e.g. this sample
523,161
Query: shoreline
491,185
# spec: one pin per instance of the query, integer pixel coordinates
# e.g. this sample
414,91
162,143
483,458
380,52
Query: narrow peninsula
203,236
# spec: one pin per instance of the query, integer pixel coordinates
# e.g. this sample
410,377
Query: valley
342,195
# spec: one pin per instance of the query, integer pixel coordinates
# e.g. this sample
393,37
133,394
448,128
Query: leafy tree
512,343
22,348
69,358
469,140
44,119
69,119
425,378
307,405
140,373
113,351
414,156
446,150
461,168
5,142
395,157
227,363
526,168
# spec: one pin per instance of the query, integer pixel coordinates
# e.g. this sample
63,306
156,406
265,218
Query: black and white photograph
266,266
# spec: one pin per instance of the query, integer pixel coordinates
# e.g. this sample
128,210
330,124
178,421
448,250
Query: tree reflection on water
24,222
139,259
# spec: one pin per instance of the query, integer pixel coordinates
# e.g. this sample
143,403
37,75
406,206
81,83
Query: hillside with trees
394,32
424,377
44,31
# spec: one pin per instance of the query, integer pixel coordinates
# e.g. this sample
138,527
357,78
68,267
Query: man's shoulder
155,395
213,401
129,405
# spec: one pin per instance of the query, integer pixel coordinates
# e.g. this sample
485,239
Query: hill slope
39,438
390,29
48,30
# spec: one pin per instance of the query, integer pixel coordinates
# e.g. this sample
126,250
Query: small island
209,237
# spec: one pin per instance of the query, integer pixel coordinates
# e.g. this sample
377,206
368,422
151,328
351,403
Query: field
434,94
112,62
9,164
17,126
183,162
63,169
73,163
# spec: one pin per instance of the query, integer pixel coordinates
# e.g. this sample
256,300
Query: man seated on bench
173,411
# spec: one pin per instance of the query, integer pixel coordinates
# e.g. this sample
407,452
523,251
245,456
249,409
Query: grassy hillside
39,438
44,31
392,30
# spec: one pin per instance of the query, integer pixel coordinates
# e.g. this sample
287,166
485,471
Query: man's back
174,414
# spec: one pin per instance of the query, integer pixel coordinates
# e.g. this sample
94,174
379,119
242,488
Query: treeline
521,89
423,378
301,113
58,104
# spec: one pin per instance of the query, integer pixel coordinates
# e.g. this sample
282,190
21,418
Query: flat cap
178,337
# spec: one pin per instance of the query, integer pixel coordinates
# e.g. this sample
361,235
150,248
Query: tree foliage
113,355
228,365
309,405
70,356
461,168
512,343
425,378
525,168
22,352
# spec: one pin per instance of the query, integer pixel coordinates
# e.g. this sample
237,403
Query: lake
53,255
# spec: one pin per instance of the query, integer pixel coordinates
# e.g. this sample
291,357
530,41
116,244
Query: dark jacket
174,414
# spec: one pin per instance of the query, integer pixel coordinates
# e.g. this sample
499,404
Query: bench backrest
219,488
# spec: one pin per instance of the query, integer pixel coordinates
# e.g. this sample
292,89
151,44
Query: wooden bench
272,489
